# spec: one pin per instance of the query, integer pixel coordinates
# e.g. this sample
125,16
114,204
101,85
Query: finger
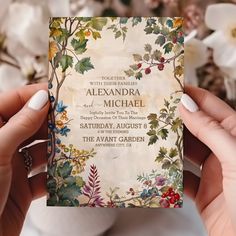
13,101
23,125
211,182
208,130
191,184
230,124
37,185
209,103
41,134
194,149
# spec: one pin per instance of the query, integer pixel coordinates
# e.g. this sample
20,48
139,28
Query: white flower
27,25
91,9
59,8
30,66
195,57
10,78
3,9
222,19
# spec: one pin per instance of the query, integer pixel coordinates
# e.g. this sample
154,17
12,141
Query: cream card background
117,166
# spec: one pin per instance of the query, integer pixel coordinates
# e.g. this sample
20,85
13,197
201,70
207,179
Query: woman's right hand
210,142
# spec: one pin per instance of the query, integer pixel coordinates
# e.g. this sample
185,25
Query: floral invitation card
114,128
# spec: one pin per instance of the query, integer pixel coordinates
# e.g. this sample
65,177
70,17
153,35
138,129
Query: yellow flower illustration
178,22
59,124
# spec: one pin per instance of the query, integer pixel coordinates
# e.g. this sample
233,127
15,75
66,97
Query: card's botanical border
66,163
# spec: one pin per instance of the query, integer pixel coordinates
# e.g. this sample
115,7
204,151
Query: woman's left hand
23,115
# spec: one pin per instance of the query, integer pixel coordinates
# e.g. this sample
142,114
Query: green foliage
129,72
160,126
136,20
163,133
63,36
84,65
138,75
157,54
124,20
69,192
148,30
63,188
148,47
137,57
134,67
152,116
168,31
153,139
168,47
98,23
160,40
64,170
118,34
151,58
79,46
169,159
119,27
96,35
77,32
173,152
165,121
65,62
176,124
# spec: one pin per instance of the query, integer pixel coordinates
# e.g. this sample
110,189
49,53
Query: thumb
23,125
209,131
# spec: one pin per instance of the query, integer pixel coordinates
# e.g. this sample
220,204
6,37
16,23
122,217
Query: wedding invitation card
114,129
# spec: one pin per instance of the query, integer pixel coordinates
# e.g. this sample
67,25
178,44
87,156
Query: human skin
214,125
23,125
210,142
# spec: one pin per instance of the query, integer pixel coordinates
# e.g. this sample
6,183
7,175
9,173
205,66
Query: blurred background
23,34
23,60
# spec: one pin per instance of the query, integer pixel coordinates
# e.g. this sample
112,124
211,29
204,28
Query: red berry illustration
162,59
164,195
172,200
139,65
174,40
170,189
161,67
87,33
180,34
147,71
177,196
176,206
171,193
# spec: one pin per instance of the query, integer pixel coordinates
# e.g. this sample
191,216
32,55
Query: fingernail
39,100
188,103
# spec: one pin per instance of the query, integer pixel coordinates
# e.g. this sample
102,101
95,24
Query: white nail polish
188,103
39,100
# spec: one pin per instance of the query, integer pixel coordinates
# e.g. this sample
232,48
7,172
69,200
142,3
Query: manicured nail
188,103
39,100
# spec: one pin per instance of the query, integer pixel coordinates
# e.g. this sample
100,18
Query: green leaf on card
84,65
